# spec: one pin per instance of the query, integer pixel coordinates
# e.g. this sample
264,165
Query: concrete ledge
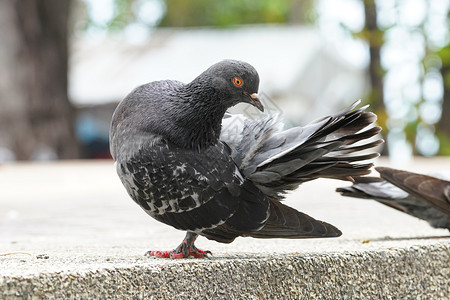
68,230
418,272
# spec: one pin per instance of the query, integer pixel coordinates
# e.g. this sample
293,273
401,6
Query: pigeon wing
388,194
190,190
286,222
283,222
278,161
432,190
378,189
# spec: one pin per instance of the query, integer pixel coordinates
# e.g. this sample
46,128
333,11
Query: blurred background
65,64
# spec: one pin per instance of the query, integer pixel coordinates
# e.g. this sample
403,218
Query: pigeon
182,169
422,196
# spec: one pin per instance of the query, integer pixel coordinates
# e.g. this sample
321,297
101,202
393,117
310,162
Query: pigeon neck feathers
196,113
196,109
186,115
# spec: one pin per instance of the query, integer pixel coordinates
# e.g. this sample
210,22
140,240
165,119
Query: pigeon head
234,82
188,115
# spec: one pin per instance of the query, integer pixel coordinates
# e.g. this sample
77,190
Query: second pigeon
422,196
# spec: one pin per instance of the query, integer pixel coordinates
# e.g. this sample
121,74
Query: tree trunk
376,73
443,126
36,118
375,41
298,12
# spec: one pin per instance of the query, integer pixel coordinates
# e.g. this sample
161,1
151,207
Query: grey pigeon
177,163
422,196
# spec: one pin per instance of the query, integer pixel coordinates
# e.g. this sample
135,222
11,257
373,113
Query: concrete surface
68,230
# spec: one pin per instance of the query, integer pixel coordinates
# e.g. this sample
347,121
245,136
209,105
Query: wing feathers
286,222
429,189
278,161
418,195
283,222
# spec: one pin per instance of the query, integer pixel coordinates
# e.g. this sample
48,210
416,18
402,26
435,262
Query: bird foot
184,250
200,253
173,254
159,254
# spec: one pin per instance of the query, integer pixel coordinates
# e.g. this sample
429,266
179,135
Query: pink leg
184,250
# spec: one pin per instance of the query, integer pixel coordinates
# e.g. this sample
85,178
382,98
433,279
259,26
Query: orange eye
237,81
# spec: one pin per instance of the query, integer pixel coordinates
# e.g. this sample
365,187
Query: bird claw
174,255
200,254
159,254
184,250
197,253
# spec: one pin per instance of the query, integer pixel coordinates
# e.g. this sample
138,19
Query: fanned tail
332,147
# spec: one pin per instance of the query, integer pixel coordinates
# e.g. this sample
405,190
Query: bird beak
254,100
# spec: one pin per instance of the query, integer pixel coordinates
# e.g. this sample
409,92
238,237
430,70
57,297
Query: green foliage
411,132
224,13
376,37
444,144
444,54
123,14
181,13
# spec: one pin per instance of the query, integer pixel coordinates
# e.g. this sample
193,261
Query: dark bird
422,196
183,170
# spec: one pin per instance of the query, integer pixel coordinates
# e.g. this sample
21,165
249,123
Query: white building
303,74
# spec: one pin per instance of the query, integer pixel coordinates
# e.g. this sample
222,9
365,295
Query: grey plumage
278,161
422,196
183,170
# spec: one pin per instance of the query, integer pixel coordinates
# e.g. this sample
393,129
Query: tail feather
432,190
286,222
340,171
283,222
361,136
333,151
419,199
354,158
349,149
347,124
